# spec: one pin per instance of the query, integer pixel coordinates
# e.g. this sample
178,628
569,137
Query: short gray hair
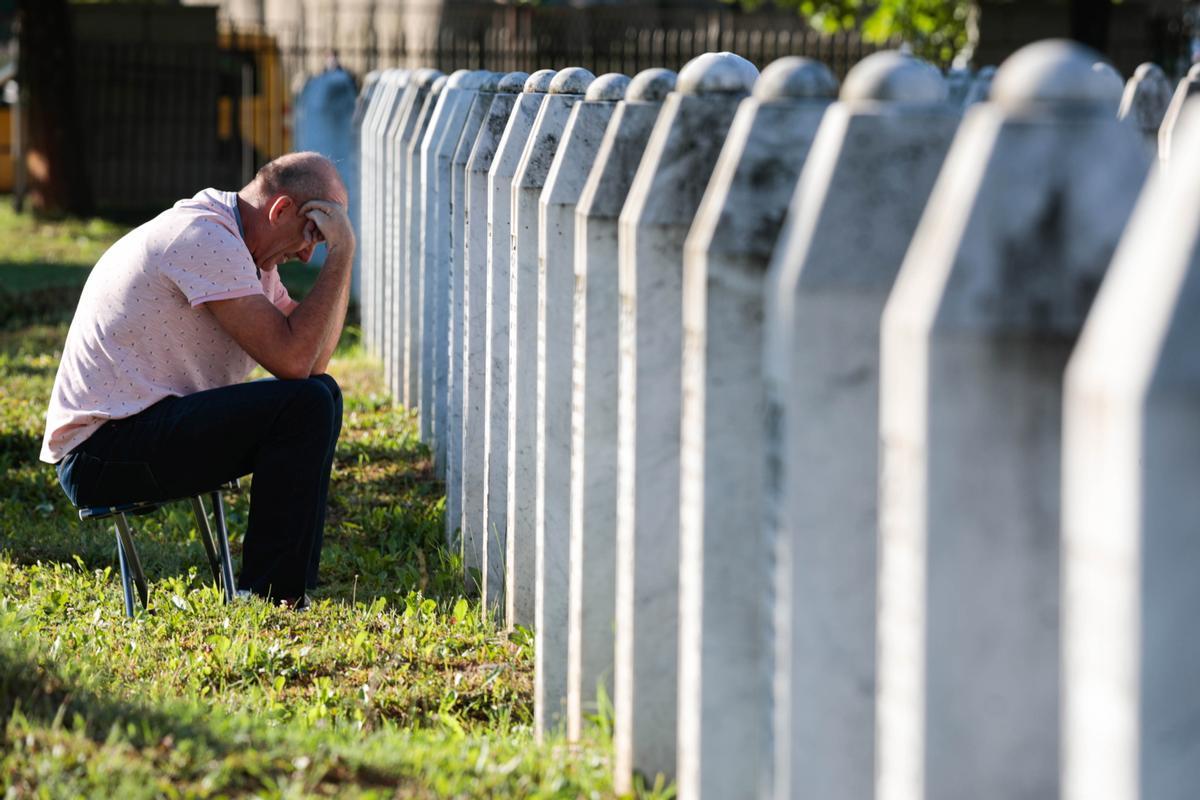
304,176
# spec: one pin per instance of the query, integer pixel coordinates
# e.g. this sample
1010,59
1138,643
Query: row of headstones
751,402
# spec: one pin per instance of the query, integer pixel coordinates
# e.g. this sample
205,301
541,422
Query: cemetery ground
390,686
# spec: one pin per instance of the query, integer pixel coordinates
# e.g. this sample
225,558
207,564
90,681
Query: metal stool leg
130,563
206,538
223,546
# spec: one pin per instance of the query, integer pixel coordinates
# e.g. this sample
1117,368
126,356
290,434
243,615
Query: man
149,401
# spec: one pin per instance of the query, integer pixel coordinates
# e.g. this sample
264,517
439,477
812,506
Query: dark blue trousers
284,432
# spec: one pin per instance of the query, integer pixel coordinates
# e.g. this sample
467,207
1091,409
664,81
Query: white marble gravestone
324,123
386,159
420,87
411,347
450,444
654,222
437,151
552,461
1145,101
1188,86
593,545
566,89
1131,464
725,664
475,319
518,609
860,196
355,186
1014,241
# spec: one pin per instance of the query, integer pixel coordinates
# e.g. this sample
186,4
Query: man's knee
335,391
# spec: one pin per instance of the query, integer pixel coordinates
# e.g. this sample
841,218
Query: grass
393,685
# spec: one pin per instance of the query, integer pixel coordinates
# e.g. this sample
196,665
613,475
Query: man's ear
277,206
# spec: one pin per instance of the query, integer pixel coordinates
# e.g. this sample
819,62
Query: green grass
393,685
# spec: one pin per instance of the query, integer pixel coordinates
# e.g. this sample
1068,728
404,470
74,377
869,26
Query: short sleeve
208,261
276,292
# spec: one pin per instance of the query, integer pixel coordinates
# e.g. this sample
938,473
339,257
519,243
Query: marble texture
518,605
1016,237
654,222
593,543
1131,461
725,652
873,160
489,583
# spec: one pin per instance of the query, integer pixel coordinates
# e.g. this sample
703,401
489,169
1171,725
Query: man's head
276,230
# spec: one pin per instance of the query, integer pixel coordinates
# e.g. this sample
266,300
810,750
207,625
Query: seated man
149,401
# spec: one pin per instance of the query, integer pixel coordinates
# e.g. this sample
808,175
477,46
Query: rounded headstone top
458,78
490,82
1149,71
426,76
651,86
717,73
512,83
439,83
539,82
609,87
795,78
1055,72
572,80
896,77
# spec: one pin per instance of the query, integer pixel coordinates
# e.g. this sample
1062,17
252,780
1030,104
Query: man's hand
332,224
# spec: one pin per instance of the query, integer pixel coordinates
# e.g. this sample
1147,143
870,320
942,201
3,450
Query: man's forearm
335,332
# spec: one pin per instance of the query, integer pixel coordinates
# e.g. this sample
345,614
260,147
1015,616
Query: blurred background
120,108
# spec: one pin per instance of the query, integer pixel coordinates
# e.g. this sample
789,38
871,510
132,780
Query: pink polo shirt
141,332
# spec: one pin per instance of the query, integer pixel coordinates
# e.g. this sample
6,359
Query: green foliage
935,29
393,684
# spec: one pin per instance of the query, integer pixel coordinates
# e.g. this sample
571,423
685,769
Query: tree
937,30
57,172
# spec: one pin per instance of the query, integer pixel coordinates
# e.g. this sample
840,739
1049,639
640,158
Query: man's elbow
294,368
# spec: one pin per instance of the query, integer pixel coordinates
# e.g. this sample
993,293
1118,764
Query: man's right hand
332,222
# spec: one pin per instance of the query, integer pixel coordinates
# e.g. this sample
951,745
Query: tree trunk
57,176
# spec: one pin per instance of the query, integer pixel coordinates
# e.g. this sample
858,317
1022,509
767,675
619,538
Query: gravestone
958,83
436,153
981,87
451,443
475,320
355,186
398,134
397,305
666,191
566,89
518,607
410,349
1144,103
725,651
1187,87
1130,470
385,163
324,123
564,181
1016,237
868,176
593,546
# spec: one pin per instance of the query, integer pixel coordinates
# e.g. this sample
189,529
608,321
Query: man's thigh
198,441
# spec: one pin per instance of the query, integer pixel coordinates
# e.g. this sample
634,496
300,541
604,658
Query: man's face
293,236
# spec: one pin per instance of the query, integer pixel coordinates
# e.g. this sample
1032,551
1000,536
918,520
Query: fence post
666,191
593,543
860,196
1016,237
